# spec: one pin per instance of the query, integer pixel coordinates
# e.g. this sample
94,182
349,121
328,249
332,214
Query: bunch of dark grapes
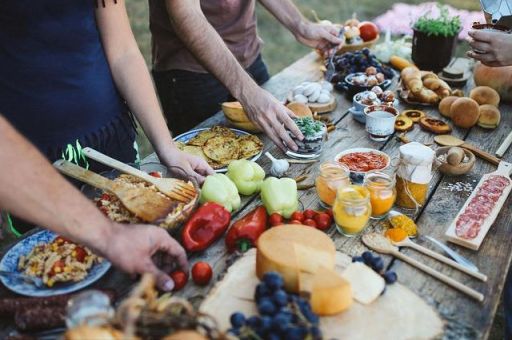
377,264
358,61
282,315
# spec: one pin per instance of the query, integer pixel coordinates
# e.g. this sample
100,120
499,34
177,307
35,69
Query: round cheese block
294,249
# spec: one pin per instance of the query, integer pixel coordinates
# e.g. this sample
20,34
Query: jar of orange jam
352,209
382,193
332,176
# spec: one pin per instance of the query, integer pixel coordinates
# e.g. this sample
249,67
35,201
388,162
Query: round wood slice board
320,108
397,314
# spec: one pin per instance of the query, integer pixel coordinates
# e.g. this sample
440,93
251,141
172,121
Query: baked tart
403,124
434,125
414,115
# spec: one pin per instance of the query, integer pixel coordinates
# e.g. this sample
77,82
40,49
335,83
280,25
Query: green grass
280,48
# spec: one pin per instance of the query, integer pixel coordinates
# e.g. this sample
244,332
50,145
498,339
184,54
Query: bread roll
300,110
465,112
489,117
446,104
485,95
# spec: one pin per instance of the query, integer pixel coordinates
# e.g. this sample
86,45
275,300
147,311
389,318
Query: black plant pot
432,53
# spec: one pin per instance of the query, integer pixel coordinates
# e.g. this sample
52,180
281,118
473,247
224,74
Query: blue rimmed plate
10,263
185,137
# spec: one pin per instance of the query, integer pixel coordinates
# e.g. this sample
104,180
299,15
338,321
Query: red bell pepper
243,233
205,226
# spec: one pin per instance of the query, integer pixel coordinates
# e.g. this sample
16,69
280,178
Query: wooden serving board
504,169
320,108
397,314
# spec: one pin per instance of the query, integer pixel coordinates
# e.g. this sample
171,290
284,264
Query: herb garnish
308,126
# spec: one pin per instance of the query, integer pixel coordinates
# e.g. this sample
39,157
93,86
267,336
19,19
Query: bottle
382,193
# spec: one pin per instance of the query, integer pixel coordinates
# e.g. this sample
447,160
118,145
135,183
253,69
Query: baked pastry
403,123
445,104
411,78
489,116
434,125
414,115
485,95
425,95
464,112
300,109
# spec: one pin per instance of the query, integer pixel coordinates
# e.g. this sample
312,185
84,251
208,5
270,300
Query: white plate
358,176
185,137
23,247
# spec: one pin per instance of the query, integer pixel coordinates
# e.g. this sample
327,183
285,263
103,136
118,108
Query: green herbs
308,126
443,25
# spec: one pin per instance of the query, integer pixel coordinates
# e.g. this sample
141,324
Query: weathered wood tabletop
465,318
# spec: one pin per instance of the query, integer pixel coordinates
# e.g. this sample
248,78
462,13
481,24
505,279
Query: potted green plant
434,39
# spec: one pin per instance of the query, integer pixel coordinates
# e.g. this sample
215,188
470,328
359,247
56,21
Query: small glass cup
91,307
382,193
332,176
352,209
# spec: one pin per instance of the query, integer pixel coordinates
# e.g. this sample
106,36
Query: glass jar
382,193
90,307
410,195
352,209
332,176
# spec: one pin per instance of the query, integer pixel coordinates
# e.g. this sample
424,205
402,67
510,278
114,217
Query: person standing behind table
206,50
494,50
70,72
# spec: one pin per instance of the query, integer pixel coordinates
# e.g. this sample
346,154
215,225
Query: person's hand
272,117
185,165
323,37
491,48
139,249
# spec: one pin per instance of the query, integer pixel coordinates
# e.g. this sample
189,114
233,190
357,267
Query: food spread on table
364,161
59,261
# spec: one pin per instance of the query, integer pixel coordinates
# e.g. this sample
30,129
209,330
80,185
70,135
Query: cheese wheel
292,249
329,292
366,284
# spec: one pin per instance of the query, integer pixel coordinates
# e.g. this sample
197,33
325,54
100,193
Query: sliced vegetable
246,175
243,233
205,226
280,195
220,189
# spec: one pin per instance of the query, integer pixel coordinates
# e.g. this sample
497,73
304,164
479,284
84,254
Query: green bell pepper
246,175
280,196
220,189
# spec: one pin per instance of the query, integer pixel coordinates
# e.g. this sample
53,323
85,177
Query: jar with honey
332,176
352,209
382,193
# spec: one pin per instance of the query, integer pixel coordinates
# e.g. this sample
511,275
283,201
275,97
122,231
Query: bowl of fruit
359,35
363,81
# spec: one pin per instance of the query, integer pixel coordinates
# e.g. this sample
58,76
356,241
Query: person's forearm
33,190
287,13
208,48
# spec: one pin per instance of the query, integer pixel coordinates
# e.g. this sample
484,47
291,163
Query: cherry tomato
155,174
295,222
298,216
323,221
329,212
309,214
105,197
79,253
276,219
202,273
61,240
368,30
180,279
310,222
58,267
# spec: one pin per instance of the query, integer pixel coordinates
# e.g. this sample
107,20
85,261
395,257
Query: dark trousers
189,98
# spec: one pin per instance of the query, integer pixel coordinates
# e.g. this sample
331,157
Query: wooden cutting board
504,169
398,314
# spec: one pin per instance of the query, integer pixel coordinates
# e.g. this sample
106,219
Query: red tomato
180,279
155,174
368,30
105,197
310,222
295,222
202,273
309,214
79,253
58,267
329,212
298,216
323,221
276,219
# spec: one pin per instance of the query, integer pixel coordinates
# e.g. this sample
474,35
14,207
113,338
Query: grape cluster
358,61
282,315
377,264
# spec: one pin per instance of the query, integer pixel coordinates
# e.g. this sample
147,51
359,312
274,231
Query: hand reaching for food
139,249
318,35
185,165
491,48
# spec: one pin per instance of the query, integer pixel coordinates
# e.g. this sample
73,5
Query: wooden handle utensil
504,146
449,140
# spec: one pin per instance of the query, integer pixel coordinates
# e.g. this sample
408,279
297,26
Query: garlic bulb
279,166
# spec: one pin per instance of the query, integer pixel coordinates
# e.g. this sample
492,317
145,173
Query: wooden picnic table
465,318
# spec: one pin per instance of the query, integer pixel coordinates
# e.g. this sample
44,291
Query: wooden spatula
171,187
449,140
144,203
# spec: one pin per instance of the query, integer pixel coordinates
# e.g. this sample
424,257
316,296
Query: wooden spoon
381,244
406,242
144,203
449,140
